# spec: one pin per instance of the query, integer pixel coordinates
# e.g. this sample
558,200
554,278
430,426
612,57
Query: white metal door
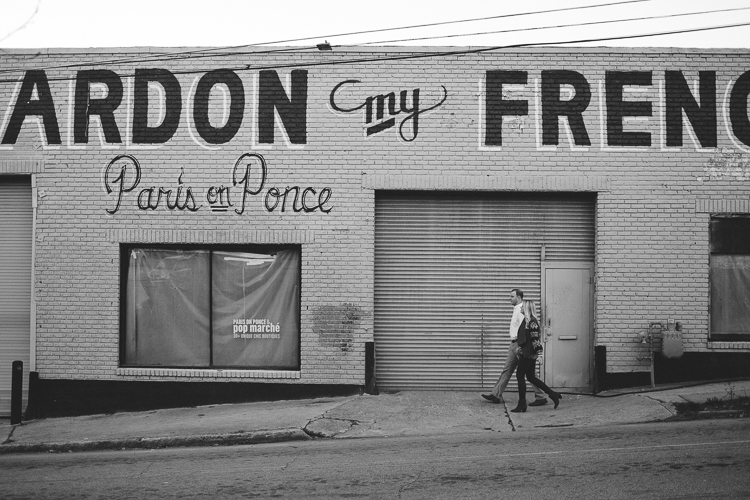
568,324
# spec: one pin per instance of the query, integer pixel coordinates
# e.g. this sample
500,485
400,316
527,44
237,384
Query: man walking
511,361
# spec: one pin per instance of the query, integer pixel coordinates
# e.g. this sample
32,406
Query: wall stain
335,325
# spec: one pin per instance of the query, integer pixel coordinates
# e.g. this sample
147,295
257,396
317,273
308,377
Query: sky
227,23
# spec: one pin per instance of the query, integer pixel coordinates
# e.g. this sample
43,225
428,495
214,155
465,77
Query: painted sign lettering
87,102
374,109
675,97
145,109
123,175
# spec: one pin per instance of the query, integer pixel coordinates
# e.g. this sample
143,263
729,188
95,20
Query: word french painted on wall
677,99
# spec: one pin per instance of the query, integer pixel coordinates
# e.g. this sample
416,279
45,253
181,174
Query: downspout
32,329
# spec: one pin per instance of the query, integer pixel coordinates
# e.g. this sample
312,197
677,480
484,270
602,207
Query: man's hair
519,292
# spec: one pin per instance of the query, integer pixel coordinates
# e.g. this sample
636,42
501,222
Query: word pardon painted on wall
122,176
245,328
102,98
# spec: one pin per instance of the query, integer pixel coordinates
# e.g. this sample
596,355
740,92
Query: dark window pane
167,311
730,235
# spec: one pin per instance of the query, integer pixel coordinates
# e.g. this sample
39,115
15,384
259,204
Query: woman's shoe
520,408
555,397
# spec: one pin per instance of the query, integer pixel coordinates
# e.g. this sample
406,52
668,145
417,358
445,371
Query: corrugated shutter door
444,267
15,282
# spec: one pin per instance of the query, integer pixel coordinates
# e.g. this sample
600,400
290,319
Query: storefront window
212,307
730,278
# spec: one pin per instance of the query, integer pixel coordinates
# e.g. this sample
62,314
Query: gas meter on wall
671,342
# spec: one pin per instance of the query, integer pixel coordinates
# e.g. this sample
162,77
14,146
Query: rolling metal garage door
15,282
444,267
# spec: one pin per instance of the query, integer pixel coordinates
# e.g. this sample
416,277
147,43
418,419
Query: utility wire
425,55
444,23
160,58
26,23
430,54
590,23
211,51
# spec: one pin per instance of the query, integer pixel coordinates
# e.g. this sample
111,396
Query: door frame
547,264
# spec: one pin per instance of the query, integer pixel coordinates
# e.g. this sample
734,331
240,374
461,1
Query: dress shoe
538,402
520,408
556,397
491,397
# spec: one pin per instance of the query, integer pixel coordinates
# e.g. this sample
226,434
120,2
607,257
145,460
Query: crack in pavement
510,420
10,435
289,464
666,405
324,416
323,434
408,484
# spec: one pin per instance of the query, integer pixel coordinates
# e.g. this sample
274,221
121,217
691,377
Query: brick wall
653,202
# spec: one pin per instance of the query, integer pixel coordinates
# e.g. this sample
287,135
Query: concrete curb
254,437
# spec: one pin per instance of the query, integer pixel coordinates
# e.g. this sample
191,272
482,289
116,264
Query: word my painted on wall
621,105
97,96
122,176
378,118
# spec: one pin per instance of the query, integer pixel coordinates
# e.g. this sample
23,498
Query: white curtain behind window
167,308
256,309
730,297
254,322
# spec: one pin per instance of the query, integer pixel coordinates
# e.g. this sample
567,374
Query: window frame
125,249
712,336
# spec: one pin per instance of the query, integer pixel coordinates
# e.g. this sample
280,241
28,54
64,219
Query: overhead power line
571,25
212,51
459,52
429,54
161,57
445,23
25,23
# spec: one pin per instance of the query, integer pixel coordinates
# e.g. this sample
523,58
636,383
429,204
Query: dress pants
514,352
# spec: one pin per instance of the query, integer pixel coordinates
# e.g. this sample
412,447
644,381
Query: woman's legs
531,376
520,378
530,371
521,373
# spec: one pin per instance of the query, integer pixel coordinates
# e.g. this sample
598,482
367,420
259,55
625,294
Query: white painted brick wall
652,210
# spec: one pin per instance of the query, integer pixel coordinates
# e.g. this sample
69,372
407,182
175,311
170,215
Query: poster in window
256,309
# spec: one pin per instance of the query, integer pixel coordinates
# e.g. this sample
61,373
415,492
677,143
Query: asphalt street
666,460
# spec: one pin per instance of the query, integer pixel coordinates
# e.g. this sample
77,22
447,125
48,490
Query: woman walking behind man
529,340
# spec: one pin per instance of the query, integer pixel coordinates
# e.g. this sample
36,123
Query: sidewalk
411,413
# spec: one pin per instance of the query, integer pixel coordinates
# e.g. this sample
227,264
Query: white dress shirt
515,321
